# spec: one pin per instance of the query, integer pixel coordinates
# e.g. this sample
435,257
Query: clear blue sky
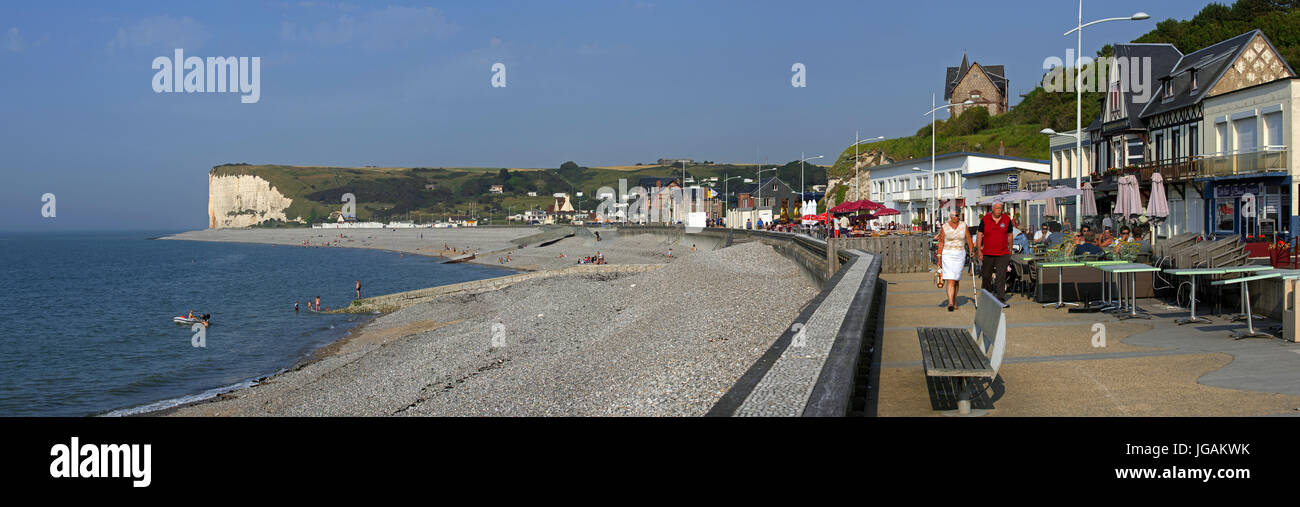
598,82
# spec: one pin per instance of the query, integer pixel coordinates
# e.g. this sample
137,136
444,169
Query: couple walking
992,244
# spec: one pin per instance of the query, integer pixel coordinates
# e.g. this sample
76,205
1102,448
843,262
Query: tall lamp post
934,188
726,197
802,194
1078,93
857,196
759,192
1077,168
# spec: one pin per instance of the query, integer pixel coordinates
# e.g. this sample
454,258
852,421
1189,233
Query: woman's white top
954,238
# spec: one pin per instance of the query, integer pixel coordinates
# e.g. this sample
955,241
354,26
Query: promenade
1146,368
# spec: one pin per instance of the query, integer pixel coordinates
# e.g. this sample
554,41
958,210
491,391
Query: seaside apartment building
960,180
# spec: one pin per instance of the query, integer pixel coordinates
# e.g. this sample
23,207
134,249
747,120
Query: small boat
190,321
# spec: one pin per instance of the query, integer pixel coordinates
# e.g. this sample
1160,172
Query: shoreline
320,353
316,355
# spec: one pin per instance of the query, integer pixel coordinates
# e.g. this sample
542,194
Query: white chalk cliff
244,200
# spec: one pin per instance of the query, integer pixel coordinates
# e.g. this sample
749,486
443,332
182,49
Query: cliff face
244,200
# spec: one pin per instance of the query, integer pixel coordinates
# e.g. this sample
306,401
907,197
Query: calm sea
86,325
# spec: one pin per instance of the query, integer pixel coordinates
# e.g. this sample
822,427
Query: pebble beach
667,342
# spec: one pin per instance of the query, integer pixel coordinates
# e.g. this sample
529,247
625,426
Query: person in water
318,303
295,307
358,289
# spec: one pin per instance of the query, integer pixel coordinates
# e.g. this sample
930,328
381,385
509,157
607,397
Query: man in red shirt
994,245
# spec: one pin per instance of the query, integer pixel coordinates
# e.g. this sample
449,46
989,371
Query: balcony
1269,159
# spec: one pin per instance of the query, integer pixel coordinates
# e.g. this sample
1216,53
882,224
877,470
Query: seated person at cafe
1056,237
1107,239
1085,243
1125,237
1019,241
1042,234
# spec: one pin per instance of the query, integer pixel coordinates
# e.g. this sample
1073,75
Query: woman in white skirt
953,239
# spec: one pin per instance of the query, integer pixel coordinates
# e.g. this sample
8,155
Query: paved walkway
1146,368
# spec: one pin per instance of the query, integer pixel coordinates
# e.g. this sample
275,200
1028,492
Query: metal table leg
1193,318
1132,296
1060,291
1250,320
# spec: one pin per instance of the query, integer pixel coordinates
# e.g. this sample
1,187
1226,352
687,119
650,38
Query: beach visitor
358,289
994,245
670,253
954,237
295,307
318,303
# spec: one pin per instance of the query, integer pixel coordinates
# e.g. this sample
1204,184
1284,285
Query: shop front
1257,209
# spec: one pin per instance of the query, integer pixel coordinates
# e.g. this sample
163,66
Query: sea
86,324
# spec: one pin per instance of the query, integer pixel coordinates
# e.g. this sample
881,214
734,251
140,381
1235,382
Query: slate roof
753,188
1209,63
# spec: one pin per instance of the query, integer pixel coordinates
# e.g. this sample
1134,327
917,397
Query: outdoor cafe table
1245,295
1243,270
1289,277
1060,275
1130,269
1105,285
1193,273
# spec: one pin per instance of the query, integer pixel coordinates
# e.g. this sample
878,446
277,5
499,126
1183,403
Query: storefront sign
1013,182
1231,190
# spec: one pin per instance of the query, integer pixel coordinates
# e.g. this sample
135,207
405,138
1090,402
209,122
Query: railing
1214,166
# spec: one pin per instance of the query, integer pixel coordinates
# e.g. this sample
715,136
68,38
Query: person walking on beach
954,237
358,289
994,245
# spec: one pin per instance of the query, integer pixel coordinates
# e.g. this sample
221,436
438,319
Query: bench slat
951,352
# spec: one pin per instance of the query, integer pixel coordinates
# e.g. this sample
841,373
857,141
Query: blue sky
409,84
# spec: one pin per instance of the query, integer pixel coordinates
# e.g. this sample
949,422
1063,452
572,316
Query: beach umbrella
1129,202
885,212
869,205
1050,209
1157,205
1088,201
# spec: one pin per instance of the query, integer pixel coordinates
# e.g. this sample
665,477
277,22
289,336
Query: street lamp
759,193
934,188
802,194
857,196
1078,93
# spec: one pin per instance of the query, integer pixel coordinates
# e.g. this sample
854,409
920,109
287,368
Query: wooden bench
964,354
